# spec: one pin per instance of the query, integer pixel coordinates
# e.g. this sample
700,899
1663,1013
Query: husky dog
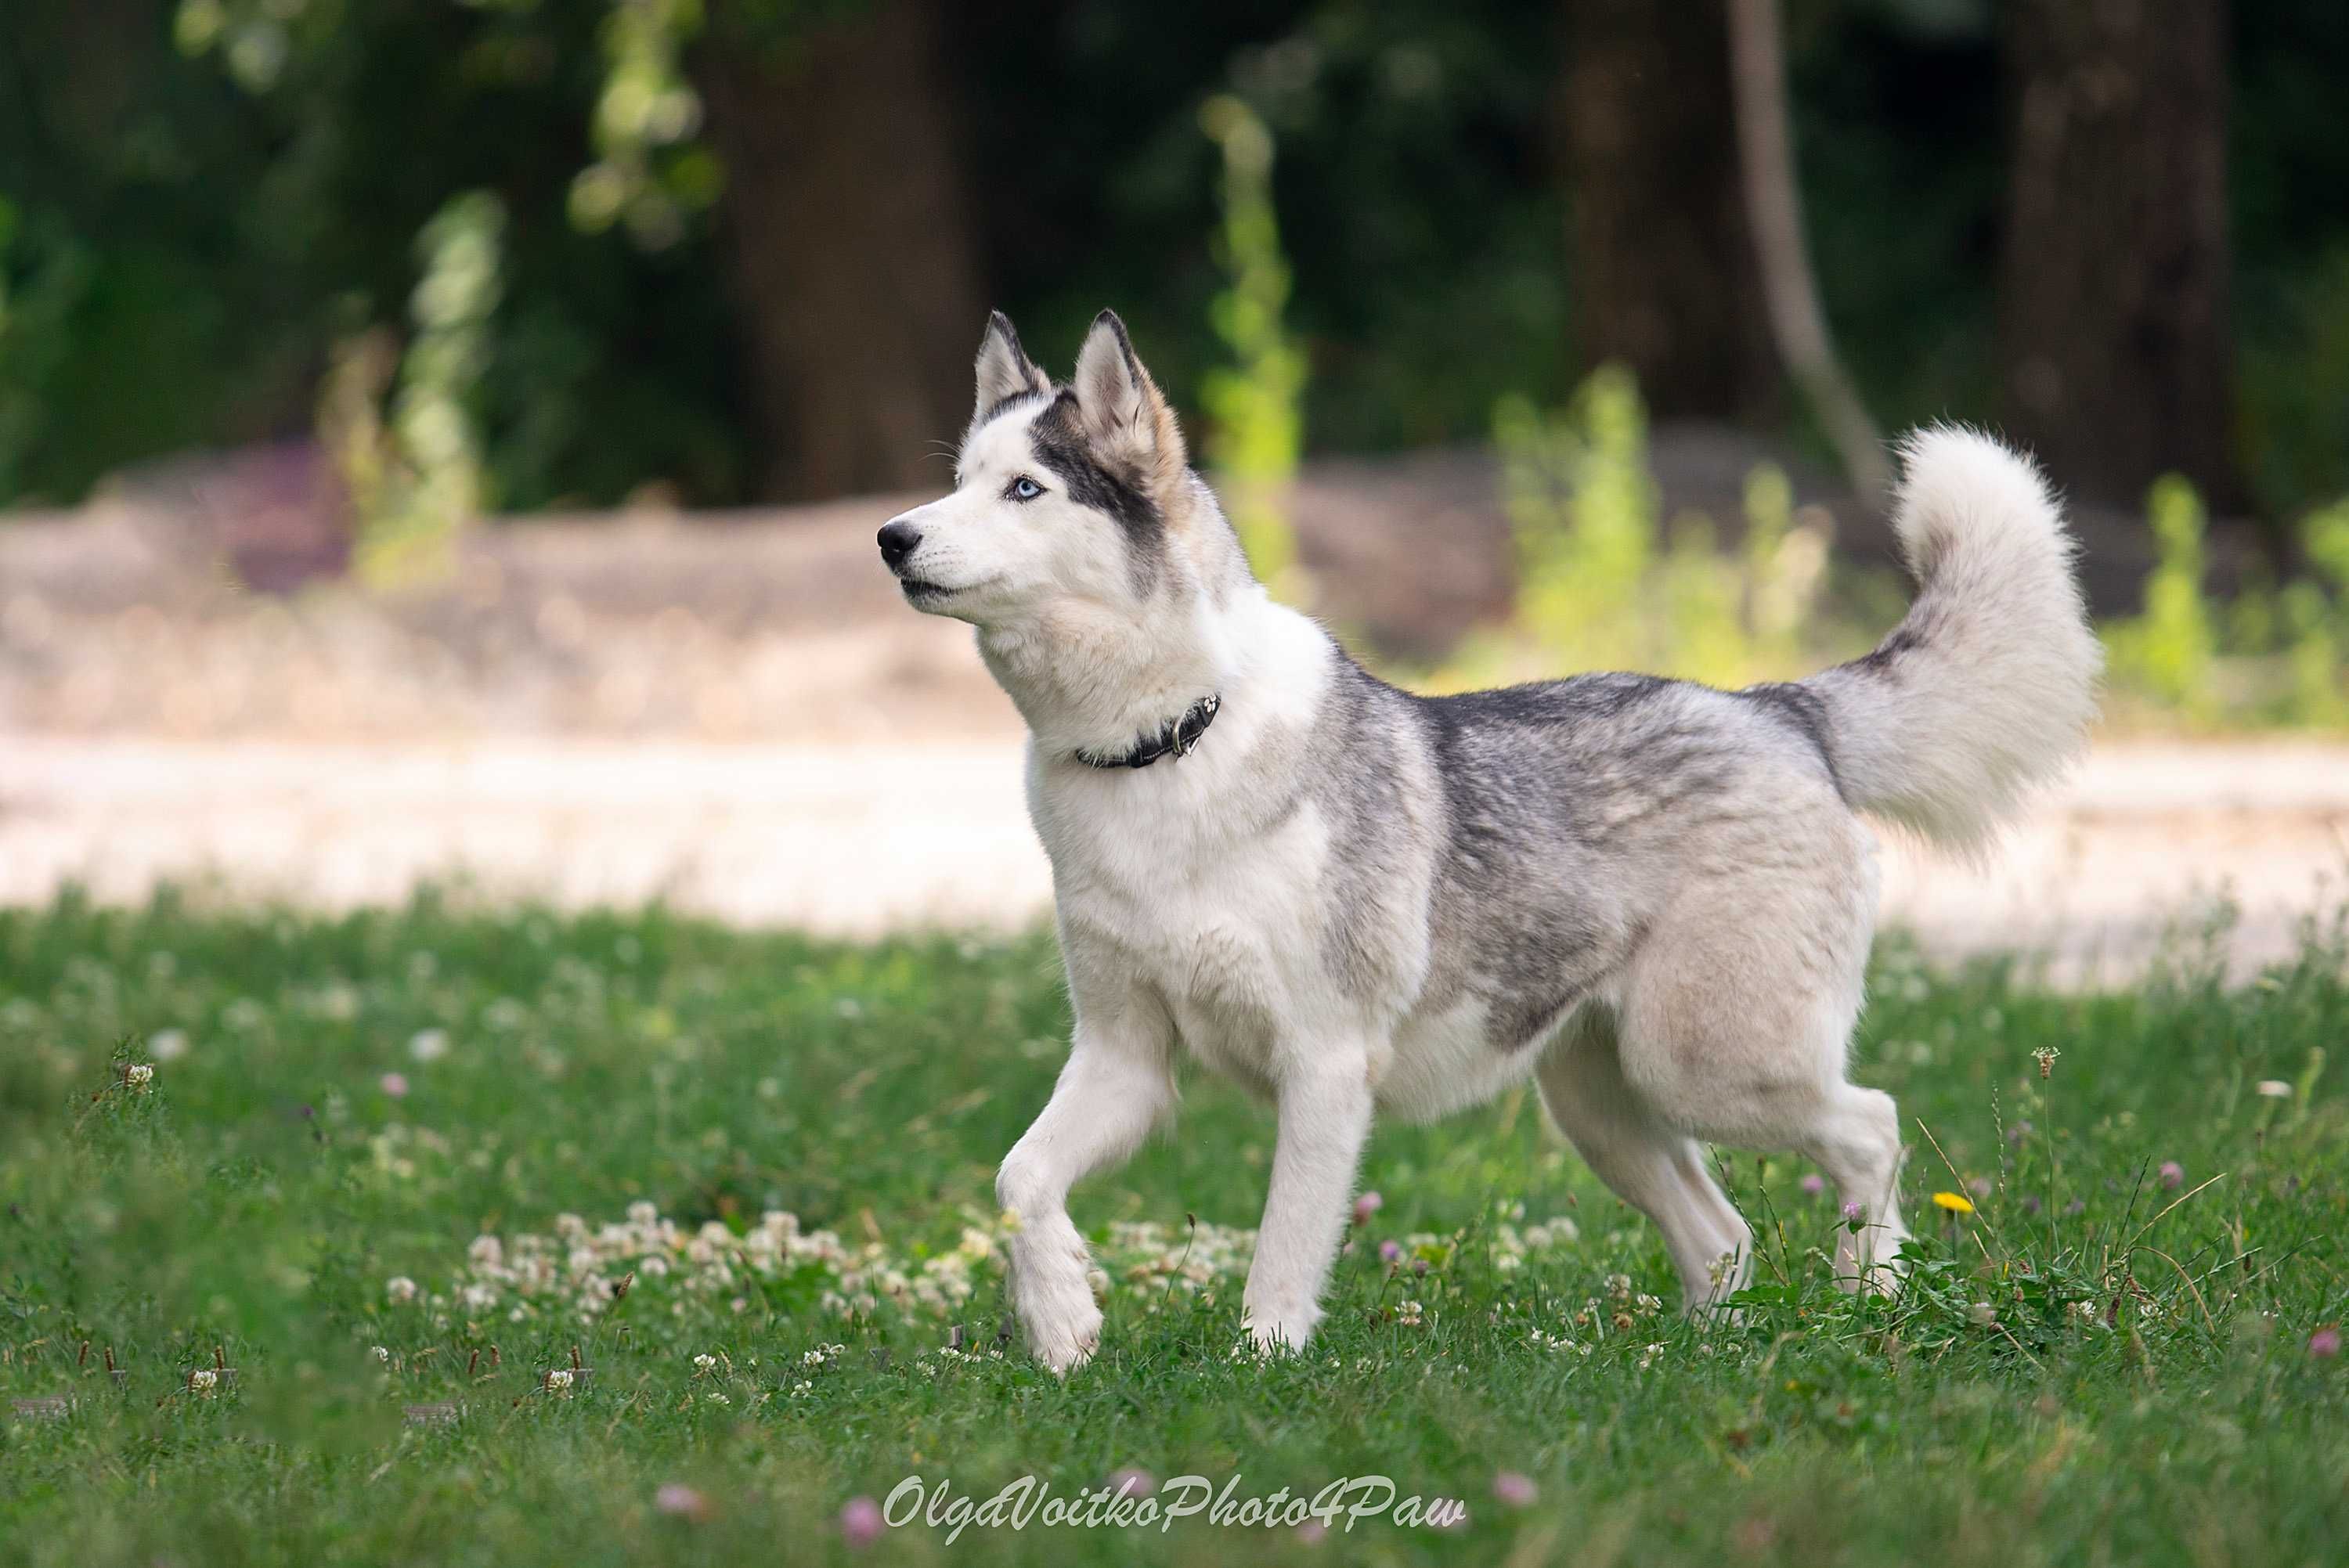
1653,898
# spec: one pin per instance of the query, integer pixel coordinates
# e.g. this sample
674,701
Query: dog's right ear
1005,370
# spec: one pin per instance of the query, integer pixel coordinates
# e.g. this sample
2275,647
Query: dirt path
858,840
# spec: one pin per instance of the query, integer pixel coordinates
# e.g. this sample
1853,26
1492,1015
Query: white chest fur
1208,902
1202,878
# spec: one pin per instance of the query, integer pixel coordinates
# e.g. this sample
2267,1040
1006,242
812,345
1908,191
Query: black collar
1175,738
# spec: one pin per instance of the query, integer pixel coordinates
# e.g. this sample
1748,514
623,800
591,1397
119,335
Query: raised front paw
1054,1298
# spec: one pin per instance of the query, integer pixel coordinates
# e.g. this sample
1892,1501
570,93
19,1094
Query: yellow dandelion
1955,1202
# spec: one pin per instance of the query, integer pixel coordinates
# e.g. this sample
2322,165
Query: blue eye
1024,489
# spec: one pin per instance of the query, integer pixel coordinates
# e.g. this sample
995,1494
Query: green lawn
2107,1362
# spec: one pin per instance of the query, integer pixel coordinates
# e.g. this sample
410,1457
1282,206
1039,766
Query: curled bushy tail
1988,686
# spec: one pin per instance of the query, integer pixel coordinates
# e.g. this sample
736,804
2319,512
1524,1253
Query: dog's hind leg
1857,1139
1656,1169
1737,1024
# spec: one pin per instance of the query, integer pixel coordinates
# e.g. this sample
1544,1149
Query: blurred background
444,436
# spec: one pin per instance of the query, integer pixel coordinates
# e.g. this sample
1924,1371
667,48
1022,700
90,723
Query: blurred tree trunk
1774,205
1664,276
850,242
2113,308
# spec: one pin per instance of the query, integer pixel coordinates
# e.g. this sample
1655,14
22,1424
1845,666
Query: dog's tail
1988,686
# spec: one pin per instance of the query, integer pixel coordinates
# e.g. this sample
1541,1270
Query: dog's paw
1051,1290
1275,1333
1870,1264
1064,1335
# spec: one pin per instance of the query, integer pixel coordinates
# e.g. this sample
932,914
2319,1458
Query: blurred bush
2166,653
1254,404
1599,585
2274,657
414,484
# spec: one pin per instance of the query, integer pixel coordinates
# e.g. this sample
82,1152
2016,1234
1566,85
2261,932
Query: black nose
899,540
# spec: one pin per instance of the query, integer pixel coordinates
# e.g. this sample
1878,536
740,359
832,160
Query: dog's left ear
1126,418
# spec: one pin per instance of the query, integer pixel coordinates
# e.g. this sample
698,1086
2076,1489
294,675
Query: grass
2105,1362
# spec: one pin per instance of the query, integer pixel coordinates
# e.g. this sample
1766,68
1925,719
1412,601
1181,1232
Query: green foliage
31,341
211,195
1583,508
1256,404
2318,622
2166,652
2096,1364
2296,382
415,484
1599,590
2282,659
2313,650
647,172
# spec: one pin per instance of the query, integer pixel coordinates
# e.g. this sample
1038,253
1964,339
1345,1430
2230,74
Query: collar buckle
1177,738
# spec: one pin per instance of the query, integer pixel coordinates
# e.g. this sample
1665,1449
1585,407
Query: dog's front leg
1325,1119
1109,1096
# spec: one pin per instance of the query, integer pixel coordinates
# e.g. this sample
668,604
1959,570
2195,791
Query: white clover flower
382,1354
203,1381
705,1361
168,1045
2270,1088
139,1075
641,1213
400,1288
559,1380
428,1044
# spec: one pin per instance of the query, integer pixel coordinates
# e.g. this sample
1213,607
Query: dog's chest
1226,931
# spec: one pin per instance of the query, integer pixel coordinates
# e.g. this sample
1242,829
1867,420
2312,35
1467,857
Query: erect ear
1004,368
1125,417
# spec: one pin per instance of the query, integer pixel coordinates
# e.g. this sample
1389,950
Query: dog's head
1073,506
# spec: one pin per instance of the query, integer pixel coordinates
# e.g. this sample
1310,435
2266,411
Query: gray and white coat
1653,898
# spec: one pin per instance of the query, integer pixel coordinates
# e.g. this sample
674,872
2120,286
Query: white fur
2004,686
1186,918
